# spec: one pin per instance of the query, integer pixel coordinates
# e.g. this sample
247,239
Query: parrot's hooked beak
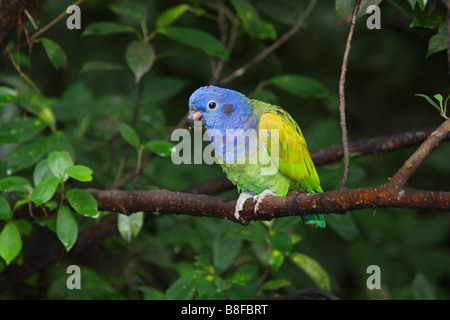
195,118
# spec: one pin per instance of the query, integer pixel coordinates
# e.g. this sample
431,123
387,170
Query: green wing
293,156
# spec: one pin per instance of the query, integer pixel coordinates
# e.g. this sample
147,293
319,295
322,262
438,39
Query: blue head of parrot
220,108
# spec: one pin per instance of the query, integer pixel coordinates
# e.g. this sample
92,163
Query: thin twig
342,96
48,26
221,22
229,48
19,70
137,106
448,35
399,8
239,72
426,148
261,281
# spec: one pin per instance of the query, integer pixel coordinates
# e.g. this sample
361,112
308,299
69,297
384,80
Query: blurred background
97,90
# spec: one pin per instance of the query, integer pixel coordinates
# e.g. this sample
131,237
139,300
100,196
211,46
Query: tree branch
377,145
342,96
425,149
338,201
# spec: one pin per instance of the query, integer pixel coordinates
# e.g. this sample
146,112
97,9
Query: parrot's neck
236,145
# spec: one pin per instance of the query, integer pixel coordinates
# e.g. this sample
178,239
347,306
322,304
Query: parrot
228,114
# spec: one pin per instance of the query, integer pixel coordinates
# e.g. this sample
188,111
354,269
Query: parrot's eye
211,106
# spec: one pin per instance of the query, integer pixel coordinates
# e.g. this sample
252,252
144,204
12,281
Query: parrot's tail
312,220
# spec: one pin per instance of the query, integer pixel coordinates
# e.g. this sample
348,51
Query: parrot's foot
260,197
243,196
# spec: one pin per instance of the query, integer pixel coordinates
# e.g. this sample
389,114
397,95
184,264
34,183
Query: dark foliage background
187,257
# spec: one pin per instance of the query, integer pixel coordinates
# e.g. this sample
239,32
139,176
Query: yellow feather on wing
293,156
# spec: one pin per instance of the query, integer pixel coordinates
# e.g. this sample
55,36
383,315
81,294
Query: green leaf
196,38
80,173
100,66
58,141
344,225
171,15
129,134
249,16
313,269
184,287
244,274
106,28
77,102
55,53
422,288
140,57
41,171
45,190
7,95
47,222
129,226
66,227
27,154
430,101
10,242
40,106
15,184
82,202
23,226
423,19
280,241
20,130
130,9
5,209
162,88
412,3
286,222
202,262
160,147
58,162
267,31
422,4
151,293
266,96
438,42
301,86
276,259
225,250
206,288
438,97
275,284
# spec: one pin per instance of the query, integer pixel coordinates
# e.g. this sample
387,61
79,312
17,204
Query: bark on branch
337,201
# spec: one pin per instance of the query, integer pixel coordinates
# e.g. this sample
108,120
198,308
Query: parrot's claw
243,196
260,197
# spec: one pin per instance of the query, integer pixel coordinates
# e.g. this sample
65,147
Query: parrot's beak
195,118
